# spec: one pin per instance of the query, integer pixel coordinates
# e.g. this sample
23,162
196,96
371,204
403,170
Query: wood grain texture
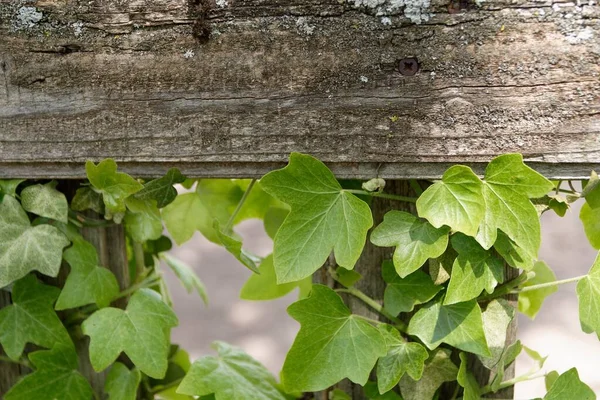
128,80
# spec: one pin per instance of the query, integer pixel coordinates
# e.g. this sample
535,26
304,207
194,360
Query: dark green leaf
9,186
234,246
372,393
513,254
161,190
87,199
591,191
402,294
347,277
186,276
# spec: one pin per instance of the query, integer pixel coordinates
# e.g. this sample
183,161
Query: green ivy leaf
234,246
474,270
455,201
143,222
416,240
186,276
31,318
372,393
347,277
402,357
161,190
87,282
257,203
114,186
9,186
459,325
509,355
568,387
550,378
439,368
273,219
233,375
513,254
590,218
496,318
531,302
440,268
591,191
467,380
141,331
46,201
191,212
324,217
508,186
263,286
588,293
24,248
337,394
87,199
332,344
55,377
402,294
121,383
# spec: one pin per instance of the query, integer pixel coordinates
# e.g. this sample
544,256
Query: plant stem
24,363
511,382
239,206
507,287
383,195
571,186
169,385
148,282
547,284
82,220
138,253
414,184
375,306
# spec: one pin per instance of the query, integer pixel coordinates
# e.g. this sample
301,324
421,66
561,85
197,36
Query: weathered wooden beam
105,78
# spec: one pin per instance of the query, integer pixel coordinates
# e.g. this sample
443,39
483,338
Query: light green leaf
191,212
439,368
87,199
234,246
9,186
46,201
569,387
141,331
273,219
121,383
513,254
55,377
257,203
347,277
324,217
143,221
474,270
508,186
509,355
161,190
114,186
31,318
415,239
590,218
588,293
337,394
459,325
186,276
550,378
233,375
591,191
467,380
87,282
455,201
496,318
332,344
24,248
263,286
402,357
402,294
531,302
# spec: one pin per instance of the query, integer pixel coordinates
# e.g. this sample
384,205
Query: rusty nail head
408,66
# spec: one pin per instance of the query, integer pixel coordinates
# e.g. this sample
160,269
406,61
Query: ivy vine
443,303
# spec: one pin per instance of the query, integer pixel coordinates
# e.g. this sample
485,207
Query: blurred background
266,332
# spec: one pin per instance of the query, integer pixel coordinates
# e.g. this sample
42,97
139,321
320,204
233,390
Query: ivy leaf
338,394
509,355
347,277
141,331
440,268
186,276
439,368
121,383
455,201
402,294
508,186
550,378
233,375
590,218
31,318
332,344
273,219
46,201
402,357
415,239
324,217
473,271
588,293
143,222
531,302
9,186
55,377
257,203
87,199
114,186
467,380
496,318
513,254
161,190
24,248
459,325
263,286
372,393
191,212
234,247
87,282
568,387
591,191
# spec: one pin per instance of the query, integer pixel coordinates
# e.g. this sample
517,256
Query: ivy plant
444,304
